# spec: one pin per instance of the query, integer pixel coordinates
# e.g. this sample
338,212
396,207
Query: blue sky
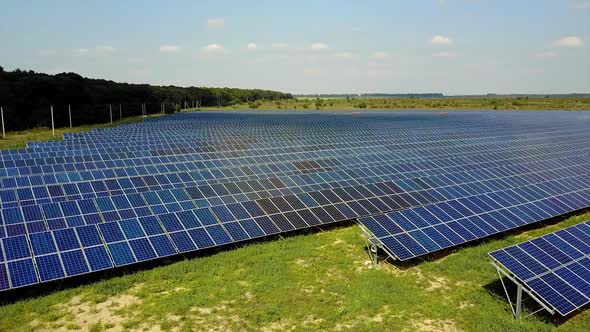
449,46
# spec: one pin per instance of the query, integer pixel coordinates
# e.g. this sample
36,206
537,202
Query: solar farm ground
316,281
312,280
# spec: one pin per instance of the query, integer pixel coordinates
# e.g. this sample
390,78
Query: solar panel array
190,181
556,266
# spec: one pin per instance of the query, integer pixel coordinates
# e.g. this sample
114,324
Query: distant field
19,139
521,103
318,281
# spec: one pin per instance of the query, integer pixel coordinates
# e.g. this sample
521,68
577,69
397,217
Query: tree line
26,97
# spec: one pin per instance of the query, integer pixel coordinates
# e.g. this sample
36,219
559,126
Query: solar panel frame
98,177
550,267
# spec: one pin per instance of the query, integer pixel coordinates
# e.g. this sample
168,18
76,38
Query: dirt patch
363,265
465,305
86,314
307,289
248,296
434,325
277,326
301,262
312,320
360,323
337,242
219,318
438,283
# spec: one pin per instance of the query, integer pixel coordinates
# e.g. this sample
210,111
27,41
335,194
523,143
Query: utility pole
2,115
111,112
120,113
70,114
52,123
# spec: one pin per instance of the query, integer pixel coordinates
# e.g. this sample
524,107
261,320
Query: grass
449,103
315,281
19,139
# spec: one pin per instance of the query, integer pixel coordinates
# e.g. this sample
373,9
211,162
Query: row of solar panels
128,241
555,267
414,192
25,174
125,136
229,138
443,176
34,164
279,189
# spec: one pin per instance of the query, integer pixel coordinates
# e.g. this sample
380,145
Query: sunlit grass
19,139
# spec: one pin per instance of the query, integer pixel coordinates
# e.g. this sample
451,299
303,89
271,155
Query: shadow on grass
46,288
529,305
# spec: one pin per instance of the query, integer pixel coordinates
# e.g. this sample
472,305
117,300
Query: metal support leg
373,250
518,301
517,306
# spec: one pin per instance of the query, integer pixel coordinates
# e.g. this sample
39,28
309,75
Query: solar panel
554,267
191,181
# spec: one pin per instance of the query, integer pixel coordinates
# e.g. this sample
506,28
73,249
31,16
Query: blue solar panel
116,196
556,267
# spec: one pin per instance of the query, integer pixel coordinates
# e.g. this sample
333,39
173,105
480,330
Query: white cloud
356,29
445,55
279,46
47,52
344,55
252,46
547,54
213,49
215,23
311,71
104,50
582,5
318,46
441,40
568,41
81,51
169,49
380,55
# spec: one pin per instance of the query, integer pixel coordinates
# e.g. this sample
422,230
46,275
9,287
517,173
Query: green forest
26,97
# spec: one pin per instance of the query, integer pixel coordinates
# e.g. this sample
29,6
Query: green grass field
317,281
550,103
19,139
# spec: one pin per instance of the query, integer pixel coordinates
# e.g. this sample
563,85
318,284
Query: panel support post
518,310
2,115
373,251
70,114
52,123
